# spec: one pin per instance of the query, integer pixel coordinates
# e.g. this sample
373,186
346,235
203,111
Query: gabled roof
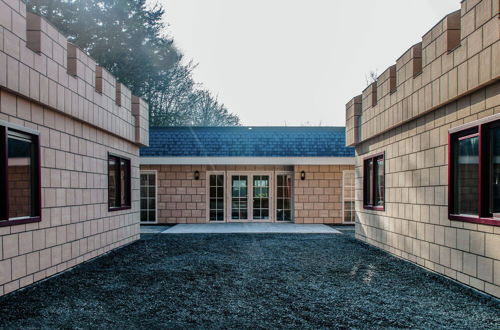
241,141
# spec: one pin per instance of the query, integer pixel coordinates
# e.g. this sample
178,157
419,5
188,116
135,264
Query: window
118,183
216,197
148,197
20,192
474,178
373,182
284,197
348,196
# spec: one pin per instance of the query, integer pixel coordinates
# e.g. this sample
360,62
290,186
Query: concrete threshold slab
253,228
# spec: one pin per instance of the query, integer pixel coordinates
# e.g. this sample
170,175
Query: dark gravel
247,281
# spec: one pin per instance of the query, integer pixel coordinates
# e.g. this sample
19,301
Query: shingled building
247,174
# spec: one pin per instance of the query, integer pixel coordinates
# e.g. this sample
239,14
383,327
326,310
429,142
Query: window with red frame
118,183
474,178
374,182
20,200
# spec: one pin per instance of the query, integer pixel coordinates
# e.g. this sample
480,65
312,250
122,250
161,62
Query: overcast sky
295,62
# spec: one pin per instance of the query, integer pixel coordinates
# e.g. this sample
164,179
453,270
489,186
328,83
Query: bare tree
371,77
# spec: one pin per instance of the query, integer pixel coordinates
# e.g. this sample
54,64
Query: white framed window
348,200
215,196
149,209
284,196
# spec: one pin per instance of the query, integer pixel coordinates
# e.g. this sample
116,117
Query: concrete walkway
262,228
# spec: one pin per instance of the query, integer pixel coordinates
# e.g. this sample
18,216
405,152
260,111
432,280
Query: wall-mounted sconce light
196,175
303,175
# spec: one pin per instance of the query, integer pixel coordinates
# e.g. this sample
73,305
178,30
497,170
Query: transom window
148,197
374,182
20,200
474,187
119,189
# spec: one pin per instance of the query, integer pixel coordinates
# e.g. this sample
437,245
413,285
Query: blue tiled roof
244,141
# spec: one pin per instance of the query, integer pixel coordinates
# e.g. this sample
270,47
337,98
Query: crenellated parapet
437,71
353,115
38,62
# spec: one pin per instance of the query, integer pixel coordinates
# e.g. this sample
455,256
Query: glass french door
250,197
239,197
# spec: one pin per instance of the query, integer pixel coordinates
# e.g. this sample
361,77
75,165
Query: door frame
250,175
155,172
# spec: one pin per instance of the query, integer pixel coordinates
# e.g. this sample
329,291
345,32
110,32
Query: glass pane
152,179
152,204
287,215
379,182
144,215
152,191
152,216
213,204
144,179
20,177
368,182
220,215
213,215
112,182
220,191
213,192
495,170
213,180
123,184
467,176
144,203
220,180
220,204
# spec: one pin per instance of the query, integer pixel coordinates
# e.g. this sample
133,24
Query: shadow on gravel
247,281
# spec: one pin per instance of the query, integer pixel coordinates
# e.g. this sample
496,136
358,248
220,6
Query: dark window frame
369,196
128,183
482,131
36,180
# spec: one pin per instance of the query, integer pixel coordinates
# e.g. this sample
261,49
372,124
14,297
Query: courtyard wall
81,113
449,79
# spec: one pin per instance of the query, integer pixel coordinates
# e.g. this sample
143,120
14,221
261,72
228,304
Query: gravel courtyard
247,281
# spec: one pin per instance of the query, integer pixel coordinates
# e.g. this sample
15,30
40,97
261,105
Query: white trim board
247,161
